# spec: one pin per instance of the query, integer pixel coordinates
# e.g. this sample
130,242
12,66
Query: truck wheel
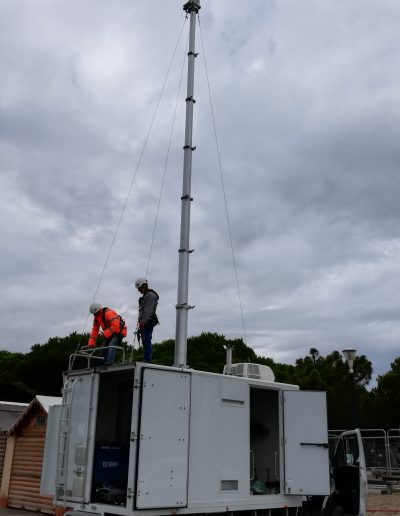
338,511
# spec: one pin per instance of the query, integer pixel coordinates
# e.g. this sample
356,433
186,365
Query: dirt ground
379,504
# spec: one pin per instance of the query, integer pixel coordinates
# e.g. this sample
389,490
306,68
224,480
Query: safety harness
121,321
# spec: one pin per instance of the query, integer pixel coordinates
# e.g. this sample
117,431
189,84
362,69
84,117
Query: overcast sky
306,99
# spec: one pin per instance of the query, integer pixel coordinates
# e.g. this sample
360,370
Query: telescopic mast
182,307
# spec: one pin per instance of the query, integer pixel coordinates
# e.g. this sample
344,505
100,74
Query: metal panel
76,432
49,471
306,454
219,440
163,440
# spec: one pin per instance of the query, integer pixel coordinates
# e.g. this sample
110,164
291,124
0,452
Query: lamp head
350,355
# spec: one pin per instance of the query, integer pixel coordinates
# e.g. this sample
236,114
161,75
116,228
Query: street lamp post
350,355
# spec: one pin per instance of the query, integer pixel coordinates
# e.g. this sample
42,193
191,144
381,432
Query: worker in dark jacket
147,315
114,330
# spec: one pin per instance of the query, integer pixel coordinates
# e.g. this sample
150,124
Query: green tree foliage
385,398
331,374
40,370
205,352
12,384
44,364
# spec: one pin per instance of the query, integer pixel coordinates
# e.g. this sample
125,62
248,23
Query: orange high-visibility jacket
110,322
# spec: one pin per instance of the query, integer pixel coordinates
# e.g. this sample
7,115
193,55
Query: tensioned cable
166,160
135,174
222,183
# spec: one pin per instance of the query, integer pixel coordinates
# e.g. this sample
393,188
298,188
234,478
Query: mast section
182,307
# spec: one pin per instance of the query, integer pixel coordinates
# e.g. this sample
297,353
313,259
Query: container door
49,470
350,474
76,438
163,440
306,453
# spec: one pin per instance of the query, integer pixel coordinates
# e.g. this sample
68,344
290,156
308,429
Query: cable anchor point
184,306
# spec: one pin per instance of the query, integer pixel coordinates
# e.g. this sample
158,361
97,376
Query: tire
338,511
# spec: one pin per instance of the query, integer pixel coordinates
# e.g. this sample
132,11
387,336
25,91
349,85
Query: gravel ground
383,504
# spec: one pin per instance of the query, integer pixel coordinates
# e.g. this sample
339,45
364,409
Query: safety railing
93,357
393,438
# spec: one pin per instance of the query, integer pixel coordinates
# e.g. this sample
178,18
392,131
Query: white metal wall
306,443
163,440
219,424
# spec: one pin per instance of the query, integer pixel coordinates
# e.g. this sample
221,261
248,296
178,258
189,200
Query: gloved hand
141,325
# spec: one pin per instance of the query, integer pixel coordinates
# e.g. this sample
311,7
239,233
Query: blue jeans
109,353
147,333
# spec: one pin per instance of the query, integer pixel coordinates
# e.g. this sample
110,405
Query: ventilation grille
253,371
237,369
228,401
229,485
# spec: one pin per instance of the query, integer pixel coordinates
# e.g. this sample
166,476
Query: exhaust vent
229,485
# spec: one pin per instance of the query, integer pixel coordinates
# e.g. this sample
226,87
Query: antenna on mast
182,306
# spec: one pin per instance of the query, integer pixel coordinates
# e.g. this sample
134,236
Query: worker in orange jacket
114,330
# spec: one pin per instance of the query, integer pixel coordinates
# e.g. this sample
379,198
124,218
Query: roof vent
255,371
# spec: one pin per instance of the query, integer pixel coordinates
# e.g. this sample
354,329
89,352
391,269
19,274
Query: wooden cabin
9,413
23,459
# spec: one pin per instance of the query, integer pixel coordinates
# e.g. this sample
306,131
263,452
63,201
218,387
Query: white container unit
140,438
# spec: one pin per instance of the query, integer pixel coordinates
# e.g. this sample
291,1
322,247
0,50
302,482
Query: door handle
252,465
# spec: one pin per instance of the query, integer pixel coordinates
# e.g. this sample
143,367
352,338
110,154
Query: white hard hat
94,308
140,282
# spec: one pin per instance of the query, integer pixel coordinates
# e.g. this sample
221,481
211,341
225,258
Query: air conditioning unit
255,371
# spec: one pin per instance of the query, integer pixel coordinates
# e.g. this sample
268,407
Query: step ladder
63,438
76,411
